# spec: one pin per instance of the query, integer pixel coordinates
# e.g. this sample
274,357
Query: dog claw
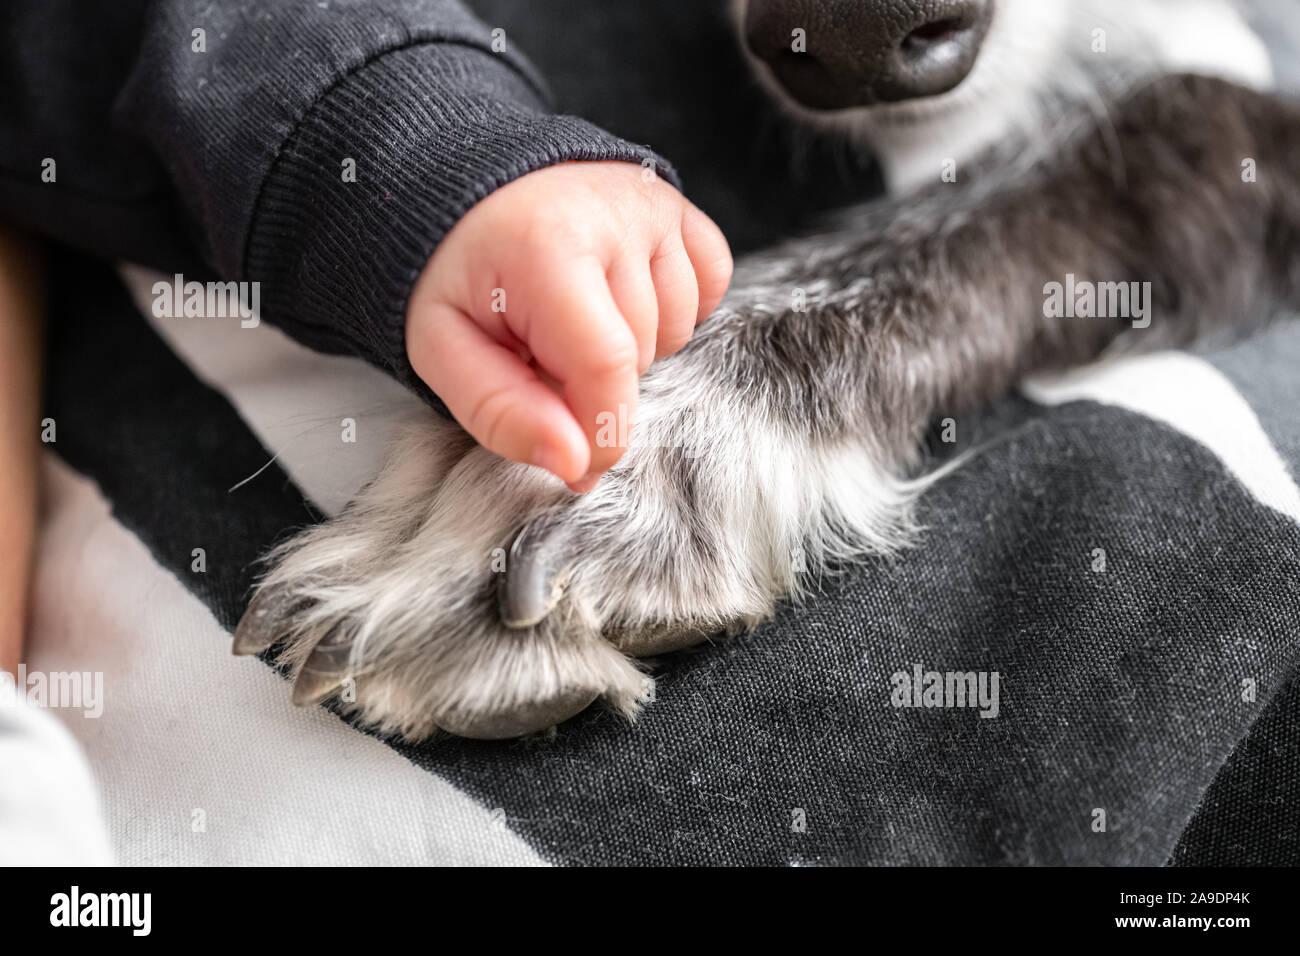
520,720
536,575
325,670
259,628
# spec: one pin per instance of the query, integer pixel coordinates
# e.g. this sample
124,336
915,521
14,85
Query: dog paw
469,594
391,608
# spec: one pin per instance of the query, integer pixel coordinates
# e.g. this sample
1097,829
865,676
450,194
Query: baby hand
547,301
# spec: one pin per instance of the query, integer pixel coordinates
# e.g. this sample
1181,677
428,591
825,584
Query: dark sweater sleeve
323,149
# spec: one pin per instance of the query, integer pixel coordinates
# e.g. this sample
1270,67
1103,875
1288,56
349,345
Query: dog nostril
865,52
940,31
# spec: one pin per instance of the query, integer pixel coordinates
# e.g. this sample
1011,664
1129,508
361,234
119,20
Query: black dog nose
860,52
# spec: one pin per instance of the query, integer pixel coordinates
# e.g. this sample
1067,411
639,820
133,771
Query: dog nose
834,54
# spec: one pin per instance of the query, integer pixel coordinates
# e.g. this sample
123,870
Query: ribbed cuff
430,130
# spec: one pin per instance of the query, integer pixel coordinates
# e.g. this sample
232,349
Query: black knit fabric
187,134
326,249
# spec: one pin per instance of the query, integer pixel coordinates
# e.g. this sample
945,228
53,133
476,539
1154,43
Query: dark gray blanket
1157,691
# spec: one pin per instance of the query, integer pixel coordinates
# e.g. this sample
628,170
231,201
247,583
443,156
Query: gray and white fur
464,593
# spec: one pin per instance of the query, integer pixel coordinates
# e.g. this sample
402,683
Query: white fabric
49,805
1192,396
270,379
201,757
